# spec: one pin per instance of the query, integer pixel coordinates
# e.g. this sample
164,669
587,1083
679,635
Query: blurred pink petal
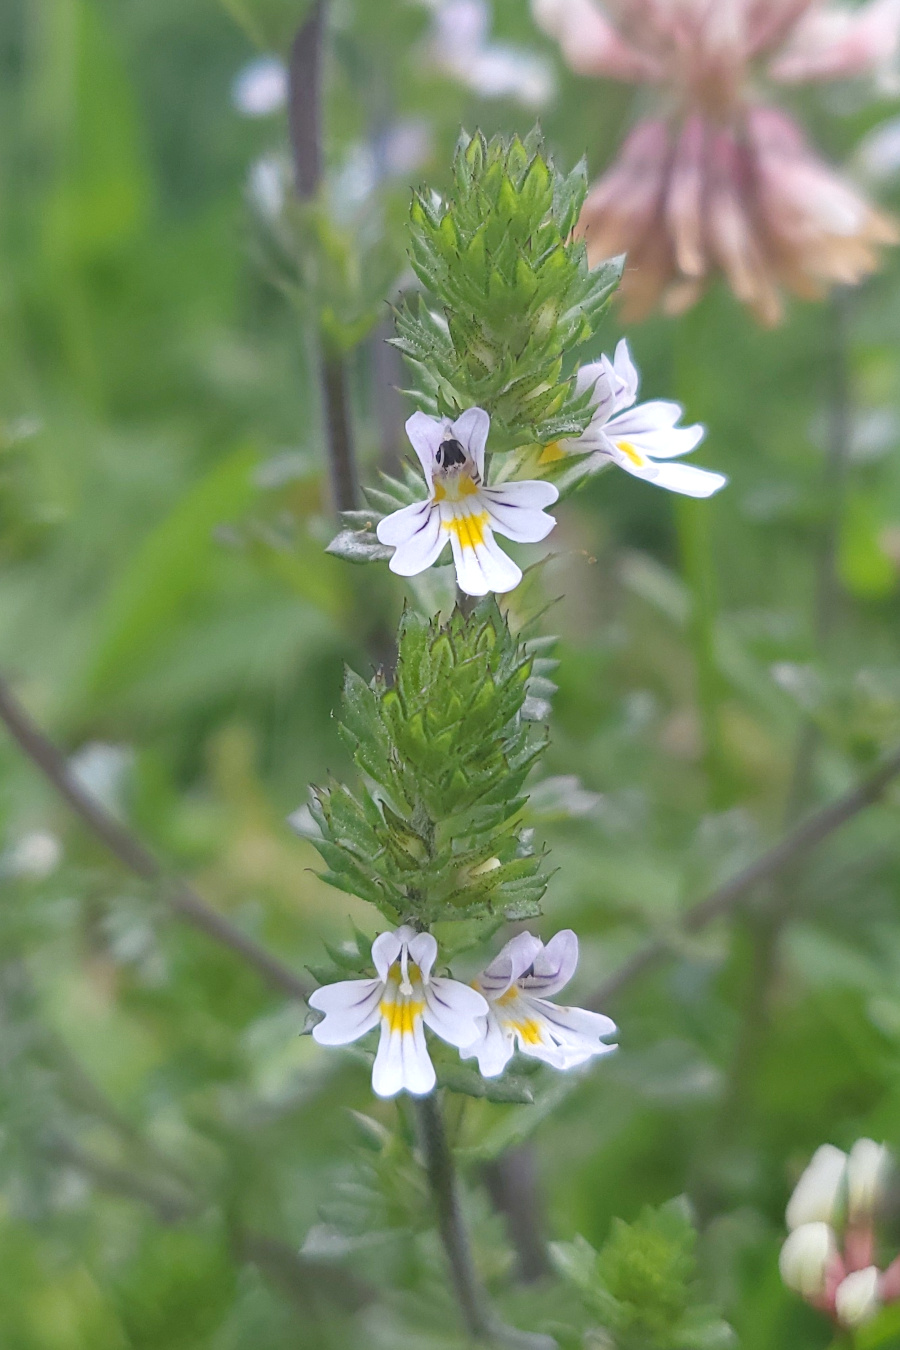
591,44
716,181
830,44
684,202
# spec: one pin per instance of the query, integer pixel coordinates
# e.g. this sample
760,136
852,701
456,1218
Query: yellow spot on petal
469,530
551,453
529,1031
455,487
637,459
403,1015
509,997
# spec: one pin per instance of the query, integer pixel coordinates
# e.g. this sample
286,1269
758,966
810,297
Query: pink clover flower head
717,180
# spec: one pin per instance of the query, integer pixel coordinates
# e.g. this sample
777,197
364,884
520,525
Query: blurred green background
168,1141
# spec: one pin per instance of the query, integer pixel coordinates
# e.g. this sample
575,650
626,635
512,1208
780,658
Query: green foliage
271,24
510,291
434,832
642,1283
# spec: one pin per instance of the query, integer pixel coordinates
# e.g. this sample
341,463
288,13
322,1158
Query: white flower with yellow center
462,509
403,999
519,1014
641,438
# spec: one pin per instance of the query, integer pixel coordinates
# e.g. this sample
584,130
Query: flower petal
660,444
515,510
481,566
509,963
402,1061
493,1049
554,965
401,526
423,950
424,541
471,430
351,1008
453,1010
627,373
568,1036
425,435
387,947
687,479
600,377
654,415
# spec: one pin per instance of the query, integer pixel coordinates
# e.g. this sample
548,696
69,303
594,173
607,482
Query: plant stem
181,897
305,89
692,524
768,923
439,1167
727,897
478,1316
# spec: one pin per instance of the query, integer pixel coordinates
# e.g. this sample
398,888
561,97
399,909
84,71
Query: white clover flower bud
818,1191
857,1298
867,1172
805,1259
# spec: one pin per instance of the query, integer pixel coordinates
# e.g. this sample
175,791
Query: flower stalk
439,1168
305,81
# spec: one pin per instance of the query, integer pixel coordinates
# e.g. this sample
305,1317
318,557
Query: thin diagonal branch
727,897
181,897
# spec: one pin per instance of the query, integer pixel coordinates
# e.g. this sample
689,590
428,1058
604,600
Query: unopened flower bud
805,1259
818,1191
857,1298
867,1172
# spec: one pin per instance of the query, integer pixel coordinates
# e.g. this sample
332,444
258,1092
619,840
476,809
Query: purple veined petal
574,1032
514,511
471,430
425,435
481,565
387,947
401,526
656,415
687,479
554,965
423,950
509,963
351,1008
424,544
627,373
452,1010
493,1049
659,443
402,1061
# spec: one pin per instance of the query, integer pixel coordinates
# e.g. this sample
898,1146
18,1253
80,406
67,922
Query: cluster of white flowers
460,507
505,1008
829,1256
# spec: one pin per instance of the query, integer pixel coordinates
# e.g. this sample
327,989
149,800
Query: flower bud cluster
829,1257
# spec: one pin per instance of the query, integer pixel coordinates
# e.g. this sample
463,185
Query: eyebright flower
636,437
715,179
403,999
515,985
462,509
